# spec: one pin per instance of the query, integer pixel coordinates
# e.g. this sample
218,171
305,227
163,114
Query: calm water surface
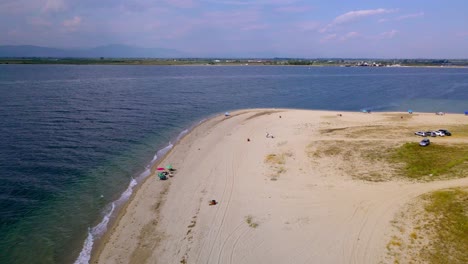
72,138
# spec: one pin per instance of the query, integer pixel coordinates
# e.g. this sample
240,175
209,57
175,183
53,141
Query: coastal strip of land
289,186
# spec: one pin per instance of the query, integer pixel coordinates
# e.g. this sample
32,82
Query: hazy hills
108,51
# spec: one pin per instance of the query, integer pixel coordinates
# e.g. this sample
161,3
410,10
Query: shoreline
100,242
109,220
238,65
165,189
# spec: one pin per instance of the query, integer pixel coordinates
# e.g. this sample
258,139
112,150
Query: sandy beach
278,201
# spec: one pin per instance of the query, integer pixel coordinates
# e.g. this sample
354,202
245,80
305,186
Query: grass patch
364,160
395,242
369,132
331,130
276,163
275,159
280,170
457,131
433,161
261,114
450,211
330,151
250,222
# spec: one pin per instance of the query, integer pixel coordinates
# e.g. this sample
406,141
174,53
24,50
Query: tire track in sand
230,176
215,229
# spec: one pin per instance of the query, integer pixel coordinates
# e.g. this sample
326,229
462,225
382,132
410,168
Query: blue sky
292,28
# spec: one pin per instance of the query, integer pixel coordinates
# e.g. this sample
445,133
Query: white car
425,142
420,133
439,133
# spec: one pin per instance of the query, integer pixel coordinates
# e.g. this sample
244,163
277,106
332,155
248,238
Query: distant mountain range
108,51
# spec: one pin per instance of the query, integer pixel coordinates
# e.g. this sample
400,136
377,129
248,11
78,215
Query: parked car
446,132
420,133
439,133
425,142
430,134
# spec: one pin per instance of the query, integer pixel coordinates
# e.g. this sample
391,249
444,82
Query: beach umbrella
169,167
410,111
160,168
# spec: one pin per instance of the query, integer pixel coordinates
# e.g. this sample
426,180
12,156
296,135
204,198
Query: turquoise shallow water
72,138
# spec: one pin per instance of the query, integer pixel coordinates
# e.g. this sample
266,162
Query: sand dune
276,204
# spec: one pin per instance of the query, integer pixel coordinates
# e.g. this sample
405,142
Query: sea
75,141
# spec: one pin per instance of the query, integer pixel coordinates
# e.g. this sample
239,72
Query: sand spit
276,204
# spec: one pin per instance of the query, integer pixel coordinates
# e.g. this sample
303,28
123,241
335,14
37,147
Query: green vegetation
449,209
366,160
333,148
432,229
239,61
104,61
394,243
276,163
458,131
432,162
250,222
275,159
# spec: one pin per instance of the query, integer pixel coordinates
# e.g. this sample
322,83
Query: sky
282,28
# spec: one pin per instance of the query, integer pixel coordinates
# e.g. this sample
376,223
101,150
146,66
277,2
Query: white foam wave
146,173
183,133
154,159
164,150
98,230
101,228
127,193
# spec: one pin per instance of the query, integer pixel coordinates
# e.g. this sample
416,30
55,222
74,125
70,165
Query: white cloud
388,34
403,17
415,15
350,35
328,37
355,15
72,24
54,5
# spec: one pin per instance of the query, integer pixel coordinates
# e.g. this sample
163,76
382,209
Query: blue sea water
74,140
